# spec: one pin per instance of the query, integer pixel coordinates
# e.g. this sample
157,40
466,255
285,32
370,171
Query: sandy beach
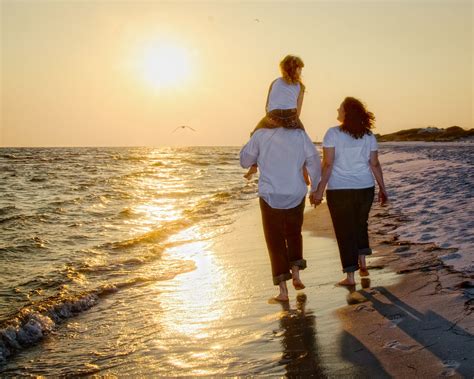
416,324
190,297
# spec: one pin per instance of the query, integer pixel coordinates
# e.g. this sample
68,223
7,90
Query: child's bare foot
298,284
252,170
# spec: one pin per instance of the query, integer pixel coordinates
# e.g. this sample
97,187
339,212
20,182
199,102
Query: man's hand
315,198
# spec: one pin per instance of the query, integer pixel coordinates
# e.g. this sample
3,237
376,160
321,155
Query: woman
281,148
350,163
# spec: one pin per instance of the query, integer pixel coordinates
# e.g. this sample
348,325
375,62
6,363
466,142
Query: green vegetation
453,133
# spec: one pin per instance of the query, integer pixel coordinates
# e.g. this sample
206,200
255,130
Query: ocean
88,231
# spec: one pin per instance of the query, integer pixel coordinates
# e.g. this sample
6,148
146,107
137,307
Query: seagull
184,127
256,20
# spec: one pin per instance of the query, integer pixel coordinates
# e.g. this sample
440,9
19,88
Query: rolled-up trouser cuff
301,263
365,251
281,278
350,268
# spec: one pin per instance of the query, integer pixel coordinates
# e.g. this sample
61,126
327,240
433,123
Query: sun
165,65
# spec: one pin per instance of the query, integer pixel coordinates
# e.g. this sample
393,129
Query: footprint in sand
398,346
394,320
363,307
450,368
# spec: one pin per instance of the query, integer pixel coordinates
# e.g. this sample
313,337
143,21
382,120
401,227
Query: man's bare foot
298,284
280,298
346,282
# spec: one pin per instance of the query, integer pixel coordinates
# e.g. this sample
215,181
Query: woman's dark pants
349,210
282,229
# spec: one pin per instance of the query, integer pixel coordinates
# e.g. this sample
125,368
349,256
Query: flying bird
184,127
256,20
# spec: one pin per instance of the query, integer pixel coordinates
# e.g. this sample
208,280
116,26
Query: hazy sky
113,73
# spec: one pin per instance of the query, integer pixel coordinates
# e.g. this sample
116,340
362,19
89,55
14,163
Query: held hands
316,197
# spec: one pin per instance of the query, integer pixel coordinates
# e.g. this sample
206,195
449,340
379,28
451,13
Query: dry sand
422,324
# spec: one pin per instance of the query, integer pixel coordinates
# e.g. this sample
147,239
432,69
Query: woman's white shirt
283,95
351,167
281,154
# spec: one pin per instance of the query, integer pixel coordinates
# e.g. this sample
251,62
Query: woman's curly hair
288,67
358,121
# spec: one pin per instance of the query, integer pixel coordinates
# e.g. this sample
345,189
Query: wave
32,323
22,218
7,209
9,156
196,162
151,237
38,179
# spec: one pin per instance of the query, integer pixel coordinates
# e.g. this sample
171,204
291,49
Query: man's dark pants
282,229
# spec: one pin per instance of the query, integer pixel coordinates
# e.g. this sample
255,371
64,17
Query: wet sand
304,337
217,320
421,325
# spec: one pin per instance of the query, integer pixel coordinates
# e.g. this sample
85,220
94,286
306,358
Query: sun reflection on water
192,304
154,213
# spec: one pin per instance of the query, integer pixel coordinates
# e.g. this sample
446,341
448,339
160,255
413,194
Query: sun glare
165,65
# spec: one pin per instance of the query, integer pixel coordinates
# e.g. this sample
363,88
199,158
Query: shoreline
422,325
216,320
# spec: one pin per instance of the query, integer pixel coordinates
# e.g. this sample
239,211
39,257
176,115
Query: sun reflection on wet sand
192,302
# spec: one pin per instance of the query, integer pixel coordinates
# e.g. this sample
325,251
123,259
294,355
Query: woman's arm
299,102
376,168
328,162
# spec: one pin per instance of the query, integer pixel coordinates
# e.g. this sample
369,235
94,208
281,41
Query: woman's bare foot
363,271
348,281
363,266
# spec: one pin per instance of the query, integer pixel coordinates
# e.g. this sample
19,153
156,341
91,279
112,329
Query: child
284,102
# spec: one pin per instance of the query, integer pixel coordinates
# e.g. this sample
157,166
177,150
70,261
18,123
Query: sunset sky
110,73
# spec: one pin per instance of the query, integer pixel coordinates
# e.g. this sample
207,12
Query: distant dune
452,133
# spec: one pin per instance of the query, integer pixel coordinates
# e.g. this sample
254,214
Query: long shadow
365,364
453,345
300,351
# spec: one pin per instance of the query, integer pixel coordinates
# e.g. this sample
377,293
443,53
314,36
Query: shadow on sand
450,343
301,354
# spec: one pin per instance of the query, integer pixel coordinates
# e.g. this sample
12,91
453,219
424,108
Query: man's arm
328,163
